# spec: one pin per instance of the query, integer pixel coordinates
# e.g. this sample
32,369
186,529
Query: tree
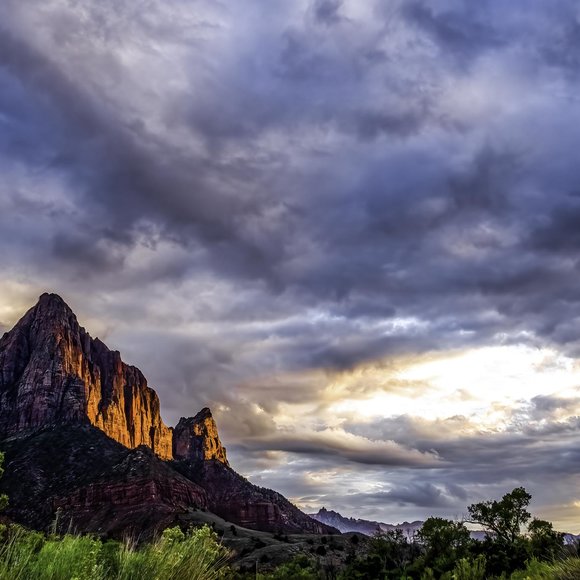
3,498
505,517
387,556
445,542
440,535
547,544
505,548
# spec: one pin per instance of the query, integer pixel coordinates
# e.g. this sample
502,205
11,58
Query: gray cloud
253,202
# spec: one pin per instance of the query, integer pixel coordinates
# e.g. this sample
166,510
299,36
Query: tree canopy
504,518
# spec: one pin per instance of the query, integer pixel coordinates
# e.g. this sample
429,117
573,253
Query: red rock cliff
52,372
196,438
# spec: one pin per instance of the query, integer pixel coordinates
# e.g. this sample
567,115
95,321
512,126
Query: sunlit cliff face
350,228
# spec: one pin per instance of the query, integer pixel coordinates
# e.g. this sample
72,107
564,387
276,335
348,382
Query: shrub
470,569
176,556
300,568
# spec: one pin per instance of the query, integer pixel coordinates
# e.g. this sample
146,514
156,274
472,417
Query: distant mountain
370,528
84,437
367,527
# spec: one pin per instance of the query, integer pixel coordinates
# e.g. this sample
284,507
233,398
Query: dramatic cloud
349,227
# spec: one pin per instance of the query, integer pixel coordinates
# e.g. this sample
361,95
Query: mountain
52,372
367,527
370,528
84,439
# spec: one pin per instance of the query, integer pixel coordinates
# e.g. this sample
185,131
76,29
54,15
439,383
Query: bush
176,556
300,568
470,569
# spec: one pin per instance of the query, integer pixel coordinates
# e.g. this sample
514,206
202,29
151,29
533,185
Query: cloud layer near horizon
277,209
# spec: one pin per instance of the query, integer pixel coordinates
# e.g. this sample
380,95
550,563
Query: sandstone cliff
52,372
196,438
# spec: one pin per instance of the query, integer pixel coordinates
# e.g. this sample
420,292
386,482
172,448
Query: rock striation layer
53,373
93,483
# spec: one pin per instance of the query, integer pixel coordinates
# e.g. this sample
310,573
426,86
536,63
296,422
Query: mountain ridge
367,527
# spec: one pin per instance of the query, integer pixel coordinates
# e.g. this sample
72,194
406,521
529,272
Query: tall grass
567,569
28,555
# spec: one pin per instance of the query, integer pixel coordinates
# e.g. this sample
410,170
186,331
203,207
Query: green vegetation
444,543
299,568
444,550
175,556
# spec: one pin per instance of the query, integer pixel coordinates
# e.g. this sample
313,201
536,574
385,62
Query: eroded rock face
235,499
52,372
95,484
196,439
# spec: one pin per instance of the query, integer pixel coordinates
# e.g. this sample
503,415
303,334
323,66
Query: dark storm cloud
264,200
419,494
327,11
535,443
342,446
463,31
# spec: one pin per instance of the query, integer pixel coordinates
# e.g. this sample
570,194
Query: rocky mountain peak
196,438
51,300
52,309
52,372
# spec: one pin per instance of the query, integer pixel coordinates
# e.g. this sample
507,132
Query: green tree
387,556
546,543
504,518
505,548
393,549
445,542
3,498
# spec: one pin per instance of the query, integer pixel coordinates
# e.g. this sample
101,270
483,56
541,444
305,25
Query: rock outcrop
52,372
197,439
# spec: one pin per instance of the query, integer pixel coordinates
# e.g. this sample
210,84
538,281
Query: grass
568,569
25,555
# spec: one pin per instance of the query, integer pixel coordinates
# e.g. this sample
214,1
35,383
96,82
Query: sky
351,228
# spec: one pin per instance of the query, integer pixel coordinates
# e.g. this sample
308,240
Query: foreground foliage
175,556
